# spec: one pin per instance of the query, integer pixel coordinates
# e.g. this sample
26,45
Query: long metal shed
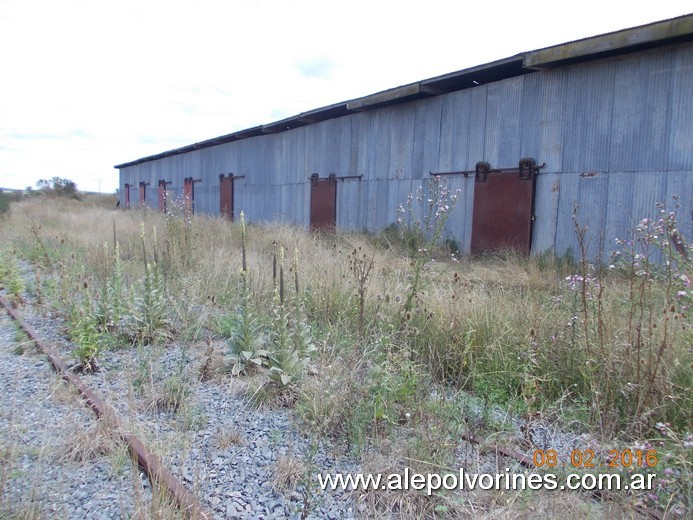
605,123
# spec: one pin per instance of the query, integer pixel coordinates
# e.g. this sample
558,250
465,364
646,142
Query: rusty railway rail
157,474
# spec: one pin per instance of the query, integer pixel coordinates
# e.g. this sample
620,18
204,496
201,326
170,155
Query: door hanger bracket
528,168
481,171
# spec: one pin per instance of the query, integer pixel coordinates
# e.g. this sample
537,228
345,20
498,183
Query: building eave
624,41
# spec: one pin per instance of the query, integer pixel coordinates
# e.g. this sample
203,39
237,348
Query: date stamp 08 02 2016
587,459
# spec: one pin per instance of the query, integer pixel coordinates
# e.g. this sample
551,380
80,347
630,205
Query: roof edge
594,47
617,42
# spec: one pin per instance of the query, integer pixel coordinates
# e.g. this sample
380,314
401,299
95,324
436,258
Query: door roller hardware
333,178
526,169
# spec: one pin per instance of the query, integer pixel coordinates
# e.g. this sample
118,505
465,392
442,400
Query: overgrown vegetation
11,279
58,187
389,340
6,198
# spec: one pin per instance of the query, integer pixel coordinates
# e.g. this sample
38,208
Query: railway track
158,475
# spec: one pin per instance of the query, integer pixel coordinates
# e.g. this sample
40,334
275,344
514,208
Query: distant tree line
57,187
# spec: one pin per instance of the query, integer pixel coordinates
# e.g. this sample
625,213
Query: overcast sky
87,84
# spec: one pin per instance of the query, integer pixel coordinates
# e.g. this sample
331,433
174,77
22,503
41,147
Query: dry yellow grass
506,329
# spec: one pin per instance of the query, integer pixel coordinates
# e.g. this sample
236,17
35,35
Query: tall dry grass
508,327
532,335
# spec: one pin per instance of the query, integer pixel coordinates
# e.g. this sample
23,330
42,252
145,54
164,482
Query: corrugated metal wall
616,136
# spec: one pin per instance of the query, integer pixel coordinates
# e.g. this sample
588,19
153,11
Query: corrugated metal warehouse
604,122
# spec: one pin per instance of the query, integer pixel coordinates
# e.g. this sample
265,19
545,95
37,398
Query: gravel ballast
240,461
44,431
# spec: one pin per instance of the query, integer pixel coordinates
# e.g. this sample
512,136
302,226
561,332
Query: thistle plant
15,287
85,335
83,325
422,224
41,252
657,261
11,278
207,369
39,289
587,318
361,267
674,469
632,371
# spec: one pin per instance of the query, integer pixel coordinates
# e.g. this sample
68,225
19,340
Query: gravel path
56,461
239,461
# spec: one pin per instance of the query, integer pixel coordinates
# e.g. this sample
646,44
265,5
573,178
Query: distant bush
4,203
58,187
6,198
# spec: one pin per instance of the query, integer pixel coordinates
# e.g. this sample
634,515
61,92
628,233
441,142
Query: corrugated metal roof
619,42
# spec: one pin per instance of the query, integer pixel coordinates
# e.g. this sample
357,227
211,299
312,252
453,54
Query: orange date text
589,459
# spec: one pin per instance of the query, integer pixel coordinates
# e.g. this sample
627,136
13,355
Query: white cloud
89,84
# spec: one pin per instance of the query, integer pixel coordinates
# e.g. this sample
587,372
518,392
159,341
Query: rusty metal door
188,196
503,211
226,196
126,188
162,196
323,204
143,193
